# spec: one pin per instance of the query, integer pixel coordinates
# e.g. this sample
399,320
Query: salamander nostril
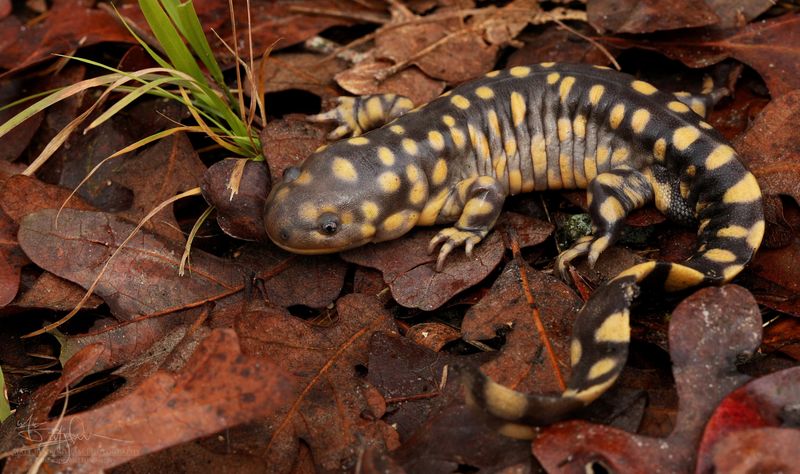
284,234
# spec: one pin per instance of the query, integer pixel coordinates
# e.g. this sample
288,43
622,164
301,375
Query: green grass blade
166,34
127,99
193,32
62,94
5,407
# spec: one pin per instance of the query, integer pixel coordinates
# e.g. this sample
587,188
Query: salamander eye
290,174
328,223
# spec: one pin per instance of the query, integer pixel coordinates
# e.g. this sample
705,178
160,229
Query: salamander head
341,198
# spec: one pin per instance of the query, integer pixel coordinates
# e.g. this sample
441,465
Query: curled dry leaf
335,412
238,189
219,387
288,142
142,279
432,335
709,331
411,274
757,450
54,293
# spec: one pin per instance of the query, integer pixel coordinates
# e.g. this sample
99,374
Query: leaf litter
260,360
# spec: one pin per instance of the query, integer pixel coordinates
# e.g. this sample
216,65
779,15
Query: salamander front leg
612,196
357,115
479,201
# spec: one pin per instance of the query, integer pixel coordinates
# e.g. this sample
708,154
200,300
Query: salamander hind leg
357,115
479,202
612,196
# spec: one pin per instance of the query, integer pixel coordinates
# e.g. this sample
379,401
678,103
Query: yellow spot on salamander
520,71
547,64
706,125
494,123
731,271
639,272
699,107
616,116
721,155
602,156
518,108
601,368
683,137
458,137
344,170
756,235
412,172
514,181
553,77
746,190
418,193
611,210
734,231
619,156
510,147
304,178
565,165
410,146
681,277
374,108
477,207
595,94
358,141
579,126
591,393
397,129
370,210
538,153
613,181
436,140
564,129
484,92
433,207
308,212
398,220
643,87
639,120
615,328
449,120
460,101
439,173
389,182
320,148
493,74
280,195
719,255
677,106
565,87
660,149
367,231
386,156
575,352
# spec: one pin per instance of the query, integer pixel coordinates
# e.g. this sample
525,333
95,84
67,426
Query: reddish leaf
529,230
784,335
771,146
555,45
761,450
219,387
708,332
142,279
289,142
23,195
771,47
764,402
411,274
433,335
523,363
410,82
303,71
288,279
335,413
646,16
158,173
68,25
54,293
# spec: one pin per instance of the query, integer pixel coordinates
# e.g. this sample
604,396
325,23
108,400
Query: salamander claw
578,249
453,238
